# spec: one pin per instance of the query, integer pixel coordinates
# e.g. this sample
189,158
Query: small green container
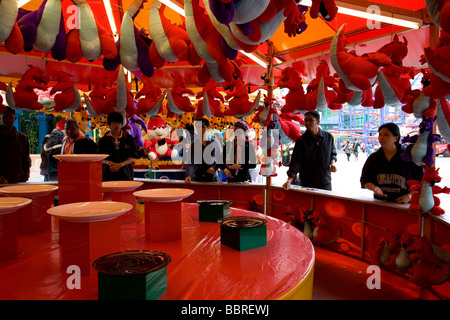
243,232
132,275
213,210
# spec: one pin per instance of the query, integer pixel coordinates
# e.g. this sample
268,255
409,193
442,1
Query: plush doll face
157,129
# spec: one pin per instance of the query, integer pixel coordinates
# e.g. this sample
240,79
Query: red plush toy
95,102
210,103
69,98
295,99
170,42
325,8
439,11
10,32
239,106
318,94
24,97
177,97
120,98
151,103
293,16
358,73
325,231
3,87
159,143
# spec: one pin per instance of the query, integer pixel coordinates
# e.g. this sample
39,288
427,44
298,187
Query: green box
243,233
213,210
132,275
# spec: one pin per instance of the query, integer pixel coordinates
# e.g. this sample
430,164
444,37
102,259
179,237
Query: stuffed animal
295,98
136,125
10,31
159,141
392,83
170,42
120,98
239,105
132,45
177,97
420,150
238,12
318,94
325,231
209,44
151,103
325,8
24,97
82,119
69,98
3,87
358,73
89,40
443,118
210,103
439,11
95,102
44,29
423,198
427,269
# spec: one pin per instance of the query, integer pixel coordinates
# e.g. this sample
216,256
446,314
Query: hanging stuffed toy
9,28
89,40
209,44
158,139
324,8
210,103
358,73
136,125
133,45
149,98
238,12
24,97
423,199
68,98
3,87
318,94
170,42
295,99
44,29
239,105
95,102
393,80
439,11
269,145
120,98
443,118
420,150
177,97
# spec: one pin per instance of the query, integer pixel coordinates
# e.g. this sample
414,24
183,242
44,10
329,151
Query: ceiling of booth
302,52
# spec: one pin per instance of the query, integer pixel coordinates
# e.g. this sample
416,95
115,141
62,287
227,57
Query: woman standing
385,172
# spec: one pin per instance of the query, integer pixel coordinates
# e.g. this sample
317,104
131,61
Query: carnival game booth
155,62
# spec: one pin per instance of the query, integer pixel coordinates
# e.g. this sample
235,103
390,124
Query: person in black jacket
313,157
121,148
52,147
75,142
239,155
385,172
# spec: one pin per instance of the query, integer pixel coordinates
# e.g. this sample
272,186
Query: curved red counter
201,268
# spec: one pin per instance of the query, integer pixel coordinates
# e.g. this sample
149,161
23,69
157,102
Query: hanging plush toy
295,99
325,8
149,98
238,12
210,103
9,30
133,49
44,29
136,125
177,97
95,102
170,42
439,11
393,80
239,105
423,199
68,98
443,118
357,73
89,40
318,94
120,98
420,150
159,141
3,87
24,97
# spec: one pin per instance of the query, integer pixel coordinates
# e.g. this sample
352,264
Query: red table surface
201,268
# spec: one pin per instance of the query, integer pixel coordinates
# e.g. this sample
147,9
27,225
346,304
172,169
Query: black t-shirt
391,176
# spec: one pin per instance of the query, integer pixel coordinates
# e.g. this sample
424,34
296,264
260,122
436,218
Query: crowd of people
311,164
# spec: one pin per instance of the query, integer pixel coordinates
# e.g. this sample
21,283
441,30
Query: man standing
15,161
75,142
313,157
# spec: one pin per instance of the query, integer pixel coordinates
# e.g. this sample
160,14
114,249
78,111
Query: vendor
202,166
121,148
385,172
239,155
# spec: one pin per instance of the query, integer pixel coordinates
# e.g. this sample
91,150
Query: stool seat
12,204
120,186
